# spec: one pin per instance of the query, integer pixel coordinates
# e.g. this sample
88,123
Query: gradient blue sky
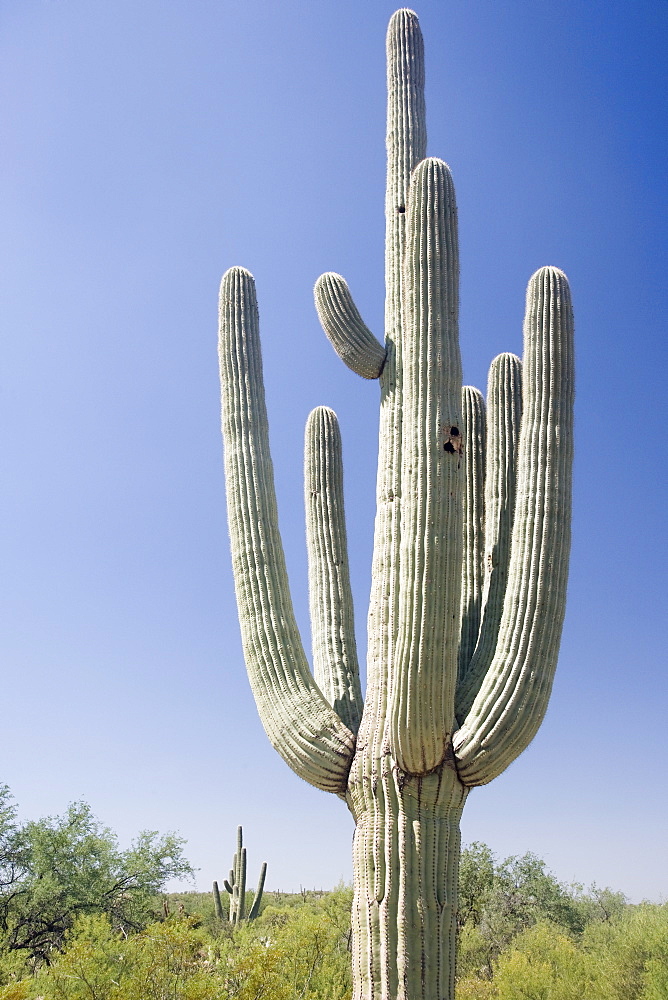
146,147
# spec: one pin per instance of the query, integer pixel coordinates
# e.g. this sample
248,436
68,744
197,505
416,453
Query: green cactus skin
255,908
301,725
335,666
235,885
351,338
473,413
217,904
504,412
469,567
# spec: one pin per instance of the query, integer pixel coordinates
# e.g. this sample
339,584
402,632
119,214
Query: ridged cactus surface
469,567
235,886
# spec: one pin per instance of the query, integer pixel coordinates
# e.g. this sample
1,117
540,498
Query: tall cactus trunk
405,861
469,567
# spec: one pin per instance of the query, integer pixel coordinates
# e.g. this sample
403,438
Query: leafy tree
60,867
499,900
596,904
525,892
477,875
13,855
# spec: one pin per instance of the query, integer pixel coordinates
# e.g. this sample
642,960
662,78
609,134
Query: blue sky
146,148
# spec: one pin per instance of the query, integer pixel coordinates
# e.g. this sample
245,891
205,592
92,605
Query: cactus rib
302,727
512,700
236,887
504,411
461,649
348,334
473,416
255,908
421,712
335,666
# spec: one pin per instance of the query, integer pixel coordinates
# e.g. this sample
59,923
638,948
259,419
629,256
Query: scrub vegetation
81,919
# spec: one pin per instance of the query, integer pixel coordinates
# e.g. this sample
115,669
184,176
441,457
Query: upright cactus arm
406,142
422,699
504,412
241,903
300,724
348,334
217,905
406,139
335,666
512,700
473,574
236,863
255,908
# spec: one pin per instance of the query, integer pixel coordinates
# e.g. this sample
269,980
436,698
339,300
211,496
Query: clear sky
146,147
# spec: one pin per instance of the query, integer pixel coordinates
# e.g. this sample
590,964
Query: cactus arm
234,879
217,905
236,863
228,884
406,142
504,411
255,908
348,334
300,724
241,907
512,700
335,666
473,415
422,700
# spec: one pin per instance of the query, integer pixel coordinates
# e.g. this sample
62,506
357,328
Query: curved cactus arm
513,698
504,412
347,332
228,884
255,908
300,724
335,666
473,416
422,700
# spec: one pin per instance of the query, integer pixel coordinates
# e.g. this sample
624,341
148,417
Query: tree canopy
54,869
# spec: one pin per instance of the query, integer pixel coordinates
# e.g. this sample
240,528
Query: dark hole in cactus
401,209
449,447
454,431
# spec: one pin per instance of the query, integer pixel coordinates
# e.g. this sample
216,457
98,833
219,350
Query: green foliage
544,964
79,913
476,883
299,947
498,900
164,960
633,948
295,951
57,868
235,886
620,955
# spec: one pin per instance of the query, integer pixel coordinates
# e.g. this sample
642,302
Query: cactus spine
235,886
469,567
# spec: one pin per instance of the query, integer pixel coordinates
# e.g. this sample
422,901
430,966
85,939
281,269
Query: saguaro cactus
235,886
469,566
